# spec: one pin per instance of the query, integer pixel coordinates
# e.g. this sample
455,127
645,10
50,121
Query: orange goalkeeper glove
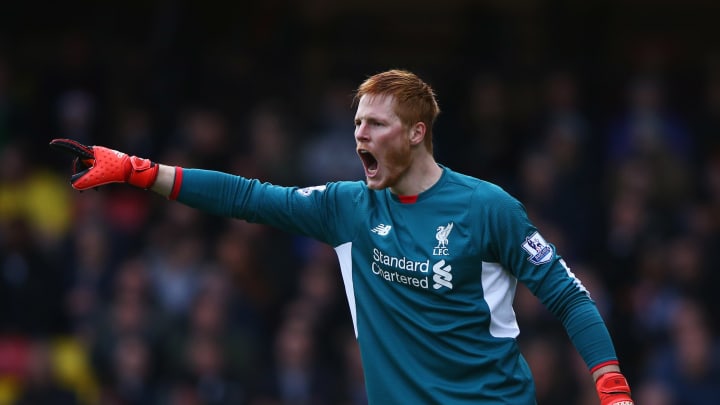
613,389
95,166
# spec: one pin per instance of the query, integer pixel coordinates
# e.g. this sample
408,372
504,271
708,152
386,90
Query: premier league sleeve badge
539,250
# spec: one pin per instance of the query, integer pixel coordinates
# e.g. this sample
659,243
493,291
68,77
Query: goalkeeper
430,258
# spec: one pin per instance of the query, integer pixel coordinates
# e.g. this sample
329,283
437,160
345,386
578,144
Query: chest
431,248
424,233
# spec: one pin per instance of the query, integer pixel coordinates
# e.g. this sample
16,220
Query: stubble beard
397,164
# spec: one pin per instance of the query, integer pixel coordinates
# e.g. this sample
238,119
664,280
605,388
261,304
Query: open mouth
369,162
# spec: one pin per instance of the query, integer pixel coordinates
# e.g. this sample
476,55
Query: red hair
415,100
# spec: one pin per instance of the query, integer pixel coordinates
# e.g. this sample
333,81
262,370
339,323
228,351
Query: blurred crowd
120,297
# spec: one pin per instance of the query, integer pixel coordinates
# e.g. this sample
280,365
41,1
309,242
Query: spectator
41,386
688,368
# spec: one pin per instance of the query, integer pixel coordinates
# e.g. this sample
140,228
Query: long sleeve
536,263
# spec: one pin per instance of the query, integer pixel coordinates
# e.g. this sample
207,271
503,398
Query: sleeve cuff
177,183
603,364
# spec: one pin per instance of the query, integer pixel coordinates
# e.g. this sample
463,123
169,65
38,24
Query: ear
417,133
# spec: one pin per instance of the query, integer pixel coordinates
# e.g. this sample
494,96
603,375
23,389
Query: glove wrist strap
613,389
142,173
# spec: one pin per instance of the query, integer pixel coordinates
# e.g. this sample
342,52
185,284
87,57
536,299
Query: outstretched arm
303,211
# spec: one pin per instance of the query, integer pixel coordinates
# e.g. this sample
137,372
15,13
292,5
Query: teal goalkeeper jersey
430,284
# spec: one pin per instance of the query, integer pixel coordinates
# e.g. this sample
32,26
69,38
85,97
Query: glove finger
77,175
81,165
73,147
81,179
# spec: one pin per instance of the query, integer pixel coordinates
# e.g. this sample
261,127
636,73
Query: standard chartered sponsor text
400,262
386,266
396,277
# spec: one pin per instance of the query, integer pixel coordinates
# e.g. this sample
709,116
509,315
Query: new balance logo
382,229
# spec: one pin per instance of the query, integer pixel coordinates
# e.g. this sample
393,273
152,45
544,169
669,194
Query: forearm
588,333
605,369
590,336
165,180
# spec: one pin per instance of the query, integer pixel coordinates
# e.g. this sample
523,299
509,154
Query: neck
421,175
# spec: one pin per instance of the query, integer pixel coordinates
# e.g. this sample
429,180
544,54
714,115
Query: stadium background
603,117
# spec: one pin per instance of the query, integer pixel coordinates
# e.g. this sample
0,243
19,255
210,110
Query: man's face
382,141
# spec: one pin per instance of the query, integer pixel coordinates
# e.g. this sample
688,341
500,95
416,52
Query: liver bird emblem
442,234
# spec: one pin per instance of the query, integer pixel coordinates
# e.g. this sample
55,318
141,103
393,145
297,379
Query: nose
360,133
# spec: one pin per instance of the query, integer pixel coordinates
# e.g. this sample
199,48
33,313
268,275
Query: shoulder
482,190
348,187
338,191
355,188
